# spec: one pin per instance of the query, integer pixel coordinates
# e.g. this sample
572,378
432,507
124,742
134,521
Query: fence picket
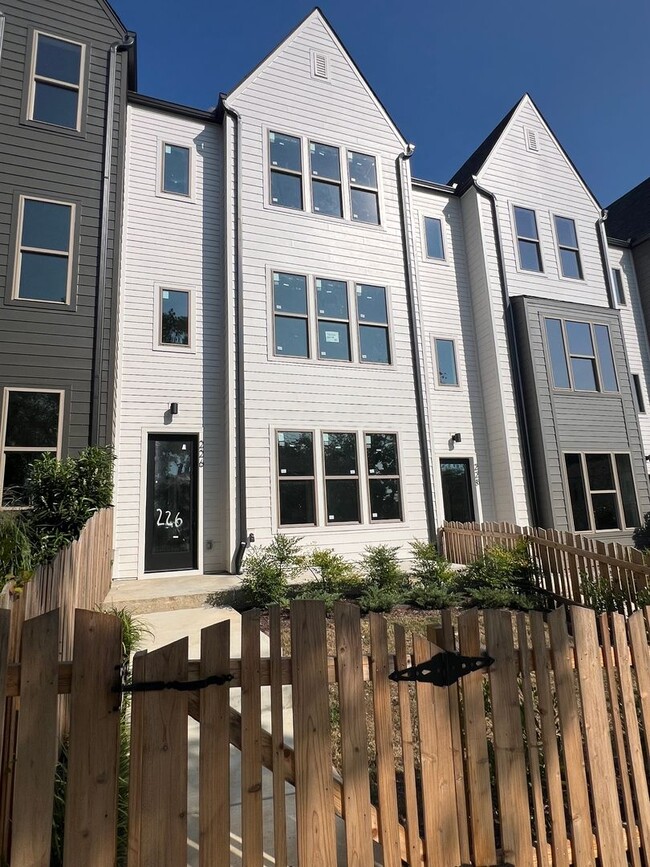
277,730
5,630
641,661
251,766
138,670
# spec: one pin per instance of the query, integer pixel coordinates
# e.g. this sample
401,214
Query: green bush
641,536
381,568
376,598
599,594
268,570
336,578
502,578
16,560
433,578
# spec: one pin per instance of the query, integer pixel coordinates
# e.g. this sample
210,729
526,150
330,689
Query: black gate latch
158,685
443,669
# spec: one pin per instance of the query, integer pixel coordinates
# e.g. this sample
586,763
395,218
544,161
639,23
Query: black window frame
589,492
637,391
329,477
296,478
396,476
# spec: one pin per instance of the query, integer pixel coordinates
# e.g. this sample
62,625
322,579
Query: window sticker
331,337
165,295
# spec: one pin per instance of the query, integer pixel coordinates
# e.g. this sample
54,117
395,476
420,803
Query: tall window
530,257
31,427
333,320
372,313
286,170
638,393
581,356
174,317
383,477
619,291
56,82
567,242
433,231
446,362
601,491
290,315
341,478
325,179
364,194
176,170
296,477
44,247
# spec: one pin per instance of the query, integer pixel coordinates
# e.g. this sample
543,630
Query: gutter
411,292
513,354
604,258
245,538
100,301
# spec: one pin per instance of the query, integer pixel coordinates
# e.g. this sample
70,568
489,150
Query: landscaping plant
335,578
269,569
16,559
641,536
385,584
502,578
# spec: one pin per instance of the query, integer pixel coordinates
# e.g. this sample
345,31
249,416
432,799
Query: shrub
641,536
269,570
16,560
502,578
336,578
376,598
381,568
599,594
434,578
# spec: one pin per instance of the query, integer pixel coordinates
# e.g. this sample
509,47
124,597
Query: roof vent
532,143
319,65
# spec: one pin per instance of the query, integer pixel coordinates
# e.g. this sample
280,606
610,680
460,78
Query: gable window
176,170
372,313
174,317
601,491
56,81
290,315
446,362
567,242
530,257
364,194
581,356
325,179
43,267
296,477
333,320
638,393
341,478
433,231
383,477
31,428
619,291
286,170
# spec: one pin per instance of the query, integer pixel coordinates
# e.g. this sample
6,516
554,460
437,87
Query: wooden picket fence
541,760
561,559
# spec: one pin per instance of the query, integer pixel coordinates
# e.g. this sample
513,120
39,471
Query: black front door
170,539
457,495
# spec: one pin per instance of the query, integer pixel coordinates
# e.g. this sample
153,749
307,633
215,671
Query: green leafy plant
16,560
270,569
335,578
381,568
600,594
641,536
502,578
375,598
433,578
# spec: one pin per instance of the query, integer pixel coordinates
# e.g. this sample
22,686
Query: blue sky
446,71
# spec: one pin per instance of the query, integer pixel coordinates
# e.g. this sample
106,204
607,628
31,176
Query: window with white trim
447,372
530,256
364,191
176,169
372,313
325,167
296,479
31,427
581,355
285,160
57,75
43,262
383,477
341,464
433,233
290,315
602,493
175,321
333,320
619,291
567,243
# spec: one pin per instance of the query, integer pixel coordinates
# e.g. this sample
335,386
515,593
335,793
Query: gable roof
628,218
475,161
316,12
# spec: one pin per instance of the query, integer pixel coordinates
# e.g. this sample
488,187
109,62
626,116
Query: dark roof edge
618,242
433,185
112,14
171,107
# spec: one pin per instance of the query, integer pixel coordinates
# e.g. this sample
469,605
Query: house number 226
177,522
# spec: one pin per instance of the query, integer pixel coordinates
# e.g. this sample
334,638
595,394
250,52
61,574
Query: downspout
604,257
240,416
513,354
100,301
411,292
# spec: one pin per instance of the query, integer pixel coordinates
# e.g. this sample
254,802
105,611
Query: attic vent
532,143
319,65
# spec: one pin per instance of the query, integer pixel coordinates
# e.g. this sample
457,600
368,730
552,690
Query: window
296,477
589,363
286,170
383,477
174,317
638,393
457,496
372,313
31,427
433,232
446,362
44,245
567,242
176,170
619,291
601,491
341,478
290,315
530,257
333,320
56,81
364,195
325,180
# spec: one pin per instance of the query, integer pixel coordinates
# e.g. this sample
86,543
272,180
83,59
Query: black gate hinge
443,669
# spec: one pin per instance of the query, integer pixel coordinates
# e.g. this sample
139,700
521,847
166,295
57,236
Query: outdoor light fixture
173,409
456,438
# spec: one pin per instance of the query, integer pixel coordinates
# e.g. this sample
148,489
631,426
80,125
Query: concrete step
149,595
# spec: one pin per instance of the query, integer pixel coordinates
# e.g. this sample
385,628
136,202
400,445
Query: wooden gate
542,760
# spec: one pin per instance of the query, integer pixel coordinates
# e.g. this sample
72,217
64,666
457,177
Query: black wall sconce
173,409
456,438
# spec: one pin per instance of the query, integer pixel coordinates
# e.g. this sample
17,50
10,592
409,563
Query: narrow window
31,428
341,478
325,179
457,496
638,393
363,188
286,170
530,257
56,86
619,291
446,362
333,320
174,317
557,353
602,488
372,313
628,491
602,491
45,242
383,477
606,358
577,493
567,242
582,356
433,230
296,477
290,315
176,170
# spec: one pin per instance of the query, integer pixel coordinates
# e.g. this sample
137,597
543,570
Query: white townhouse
313,342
